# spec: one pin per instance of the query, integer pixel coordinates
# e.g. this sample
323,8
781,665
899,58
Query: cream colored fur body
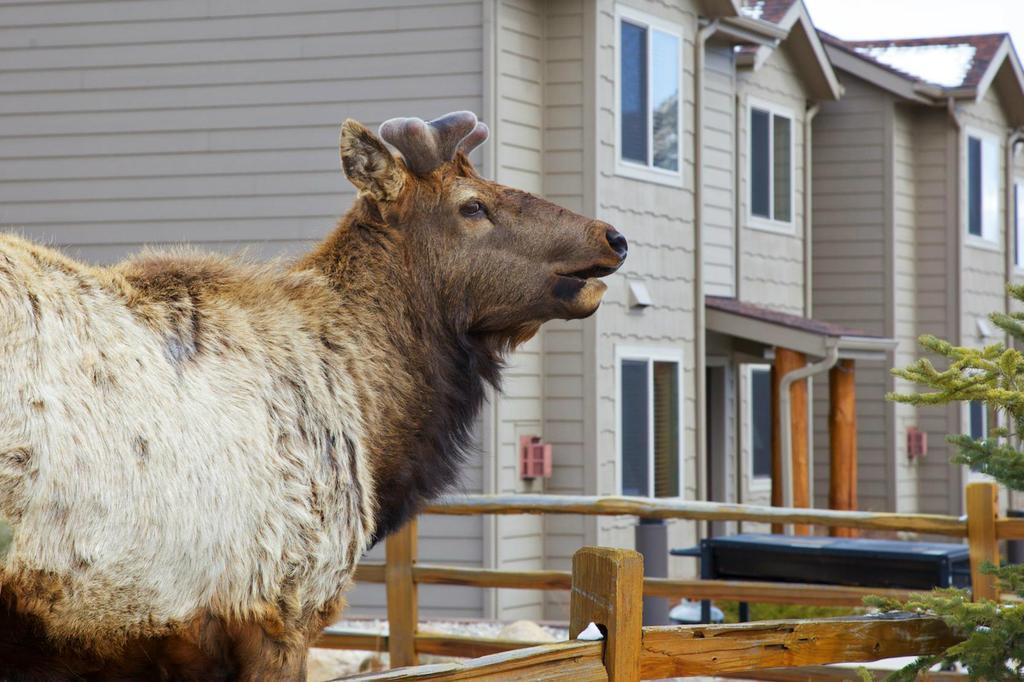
149,475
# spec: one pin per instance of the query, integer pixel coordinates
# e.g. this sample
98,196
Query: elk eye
472,209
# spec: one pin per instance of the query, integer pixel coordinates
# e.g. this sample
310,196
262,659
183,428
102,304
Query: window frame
988,241
625,167
755,221
755,484
650,355
1018,225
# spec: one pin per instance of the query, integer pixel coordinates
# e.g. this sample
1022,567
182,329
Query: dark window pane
666,429
761,421
635,446
978,430
634,92
783,169
974,186
665,99
760,160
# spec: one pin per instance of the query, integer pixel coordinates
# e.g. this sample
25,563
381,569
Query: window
649,84
650,425
771,165
978,420
983,187
759,419
1018,224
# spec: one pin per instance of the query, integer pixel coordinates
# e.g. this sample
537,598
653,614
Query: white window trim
1018,236
758,222
651,355
988,242
971,475
755,484
624,167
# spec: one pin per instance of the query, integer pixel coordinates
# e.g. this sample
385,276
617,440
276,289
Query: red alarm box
917,442
534,457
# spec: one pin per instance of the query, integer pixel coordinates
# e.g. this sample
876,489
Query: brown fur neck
433,368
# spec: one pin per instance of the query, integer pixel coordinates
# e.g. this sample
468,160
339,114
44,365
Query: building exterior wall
771,262
719,158
851,176
564,341
659,219
935,157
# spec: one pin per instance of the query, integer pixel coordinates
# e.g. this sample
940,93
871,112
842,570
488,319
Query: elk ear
368,164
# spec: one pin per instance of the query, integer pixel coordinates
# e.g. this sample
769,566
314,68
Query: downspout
700,425
1015,137
953,415
812,111
785,409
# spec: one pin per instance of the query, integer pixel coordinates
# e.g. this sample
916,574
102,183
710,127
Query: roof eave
761,32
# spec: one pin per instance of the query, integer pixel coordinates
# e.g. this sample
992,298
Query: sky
866,19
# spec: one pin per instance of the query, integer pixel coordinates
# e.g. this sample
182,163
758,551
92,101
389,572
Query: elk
195,450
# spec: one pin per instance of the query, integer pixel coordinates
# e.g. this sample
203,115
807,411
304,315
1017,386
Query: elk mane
427,145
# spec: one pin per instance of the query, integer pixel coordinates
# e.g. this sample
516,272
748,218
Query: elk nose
617,242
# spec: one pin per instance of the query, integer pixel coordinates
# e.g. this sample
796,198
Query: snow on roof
754,10
946,65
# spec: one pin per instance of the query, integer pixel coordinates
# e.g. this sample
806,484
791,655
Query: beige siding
906,298
850,181
659,220
131,123
519,87
935,158
772,262
719,247
564,341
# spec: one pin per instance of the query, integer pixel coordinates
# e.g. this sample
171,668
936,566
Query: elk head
503,261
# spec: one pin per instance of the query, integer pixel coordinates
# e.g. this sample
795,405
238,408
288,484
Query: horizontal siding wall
772,262
563,340
935,159
519,85
658,221
850,184
719,247
125,124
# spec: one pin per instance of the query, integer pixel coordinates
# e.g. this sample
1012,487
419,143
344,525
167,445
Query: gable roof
801,37
950,62
933,70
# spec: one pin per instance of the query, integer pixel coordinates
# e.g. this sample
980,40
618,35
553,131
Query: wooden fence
607,586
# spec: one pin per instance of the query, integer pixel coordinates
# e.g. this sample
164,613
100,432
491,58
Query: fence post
403,606
607,589
982,510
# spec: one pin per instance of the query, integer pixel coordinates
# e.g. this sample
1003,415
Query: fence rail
673,651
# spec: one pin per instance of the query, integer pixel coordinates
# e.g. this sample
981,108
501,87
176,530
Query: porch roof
772,328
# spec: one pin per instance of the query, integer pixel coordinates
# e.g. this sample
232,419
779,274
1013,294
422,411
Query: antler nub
427,145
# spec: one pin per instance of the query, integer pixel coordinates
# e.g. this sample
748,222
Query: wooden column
607,589
982,510
786,361
842,437
403,604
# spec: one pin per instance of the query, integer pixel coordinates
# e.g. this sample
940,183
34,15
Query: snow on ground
945,65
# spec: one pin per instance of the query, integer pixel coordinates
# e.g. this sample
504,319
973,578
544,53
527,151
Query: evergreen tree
994,644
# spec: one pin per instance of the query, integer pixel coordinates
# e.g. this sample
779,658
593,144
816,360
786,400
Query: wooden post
842,435
982,510
607,589
786,361
403,606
